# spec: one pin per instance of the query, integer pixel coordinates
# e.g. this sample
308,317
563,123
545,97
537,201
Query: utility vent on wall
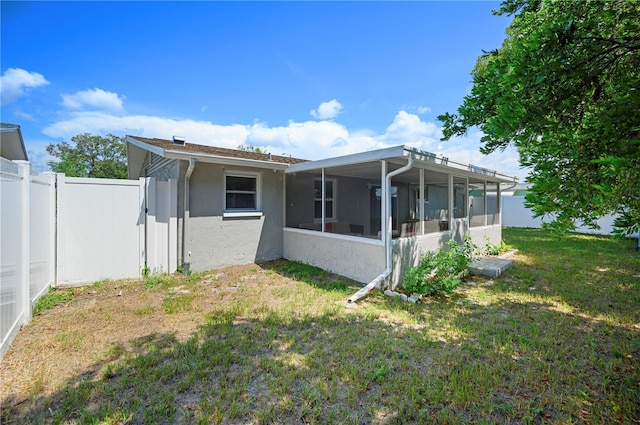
179,140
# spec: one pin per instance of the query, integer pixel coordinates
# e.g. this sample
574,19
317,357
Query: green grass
52,298
555,340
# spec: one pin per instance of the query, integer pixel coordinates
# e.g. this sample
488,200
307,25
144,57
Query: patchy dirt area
100,323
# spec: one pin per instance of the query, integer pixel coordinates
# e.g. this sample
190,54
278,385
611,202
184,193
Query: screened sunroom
363,214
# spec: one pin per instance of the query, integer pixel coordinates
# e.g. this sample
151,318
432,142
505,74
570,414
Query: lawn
554,340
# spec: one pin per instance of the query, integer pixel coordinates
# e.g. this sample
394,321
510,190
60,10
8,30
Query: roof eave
439,161
226,160
355,158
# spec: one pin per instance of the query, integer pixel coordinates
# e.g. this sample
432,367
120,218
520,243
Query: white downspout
185,218
386,190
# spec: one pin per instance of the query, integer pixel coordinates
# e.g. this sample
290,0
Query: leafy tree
564,88
92,156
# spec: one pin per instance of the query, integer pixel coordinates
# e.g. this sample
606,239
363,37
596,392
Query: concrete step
490,266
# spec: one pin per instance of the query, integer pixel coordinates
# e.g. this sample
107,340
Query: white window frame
245,212
333,200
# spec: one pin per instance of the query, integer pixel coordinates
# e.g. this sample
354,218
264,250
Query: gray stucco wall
407,252
356,258
215,241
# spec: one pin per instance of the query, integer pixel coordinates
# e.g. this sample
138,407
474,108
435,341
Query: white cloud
423,110
327,110
93,98
308,139
15,82
409,129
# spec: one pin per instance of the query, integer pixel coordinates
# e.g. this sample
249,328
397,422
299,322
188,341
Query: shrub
440,271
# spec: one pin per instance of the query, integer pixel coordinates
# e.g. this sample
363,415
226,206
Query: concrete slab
490,266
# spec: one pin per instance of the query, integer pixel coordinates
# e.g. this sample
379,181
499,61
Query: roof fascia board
15,129
151,148
356,158
445,163
226,160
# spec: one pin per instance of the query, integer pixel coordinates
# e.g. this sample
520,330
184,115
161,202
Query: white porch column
485,202
324,212
421,200
450,191
384,222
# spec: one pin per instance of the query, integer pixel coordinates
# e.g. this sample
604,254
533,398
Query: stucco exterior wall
356,258
407,252
215,241
481,235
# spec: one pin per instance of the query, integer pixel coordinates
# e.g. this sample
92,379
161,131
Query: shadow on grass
596,275
312,276
443,363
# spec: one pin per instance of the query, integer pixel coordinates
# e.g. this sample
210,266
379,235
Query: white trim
226,160
246,174
242,214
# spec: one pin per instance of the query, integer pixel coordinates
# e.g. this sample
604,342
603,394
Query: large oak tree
90,156
564,88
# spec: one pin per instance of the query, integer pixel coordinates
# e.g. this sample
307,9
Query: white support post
51,177
450,192
421,200
484,195
324,212
499,200
383,202
60,217
24,172
141,226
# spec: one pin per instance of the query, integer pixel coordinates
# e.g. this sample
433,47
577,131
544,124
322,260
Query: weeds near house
491,249
555,340
441,271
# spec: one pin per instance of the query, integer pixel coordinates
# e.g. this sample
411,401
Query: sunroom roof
367,163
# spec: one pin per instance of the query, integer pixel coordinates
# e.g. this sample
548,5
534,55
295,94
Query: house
368,216
11,143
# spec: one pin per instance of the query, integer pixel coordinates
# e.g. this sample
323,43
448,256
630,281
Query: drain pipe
378,281
185,218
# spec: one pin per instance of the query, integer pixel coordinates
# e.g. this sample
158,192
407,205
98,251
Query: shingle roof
212,150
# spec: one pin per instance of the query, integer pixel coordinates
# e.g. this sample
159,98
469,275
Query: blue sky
309,79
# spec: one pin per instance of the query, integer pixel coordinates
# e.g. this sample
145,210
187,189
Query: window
330,204
241,192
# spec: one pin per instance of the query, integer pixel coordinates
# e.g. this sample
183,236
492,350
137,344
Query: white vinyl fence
63,231
104,233
27,250
515,214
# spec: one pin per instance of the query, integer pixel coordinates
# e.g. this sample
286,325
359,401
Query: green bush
441,271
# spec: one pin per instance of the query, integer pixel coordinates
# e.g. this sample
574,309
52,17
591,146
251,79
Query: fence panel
515,214
162,227
42,200
100,229
12,293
